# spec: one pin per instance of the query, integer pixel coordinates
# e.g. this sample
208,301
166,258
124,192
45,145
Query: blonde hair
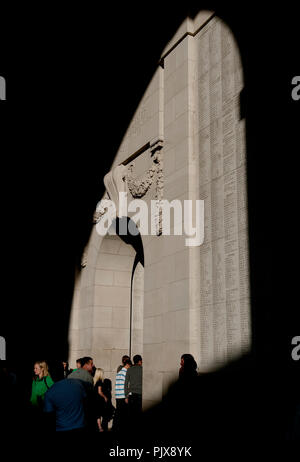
44,367
99,375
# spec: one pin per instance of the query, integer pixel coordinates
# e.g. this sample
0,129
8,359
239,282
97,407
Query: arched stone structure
107,314
186,141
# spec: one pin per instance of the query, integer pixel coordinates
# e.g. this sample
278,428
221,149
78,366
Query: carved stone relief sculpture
121,177
114,182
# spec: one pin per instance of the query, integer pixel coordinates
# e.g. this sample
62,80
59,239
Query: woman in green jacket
40,384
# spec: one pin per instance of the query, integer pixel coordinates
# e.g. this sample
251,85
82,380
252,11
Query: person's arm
49,381
99,424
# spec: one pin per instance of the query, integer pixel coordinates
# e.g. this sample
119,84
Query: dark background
74,79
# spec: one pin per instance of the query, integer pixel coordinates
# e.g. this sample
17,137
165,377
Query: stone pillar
137,311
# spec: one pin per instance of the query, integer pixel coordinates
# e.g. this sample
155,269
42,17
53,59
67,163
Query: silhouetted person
188,367
66,369
104,409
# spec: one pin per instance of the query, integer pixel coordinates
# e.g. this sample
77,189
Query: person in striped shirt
121,406
124,359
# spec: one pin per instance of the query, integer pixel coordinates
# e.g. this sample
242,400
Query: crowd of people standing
82,399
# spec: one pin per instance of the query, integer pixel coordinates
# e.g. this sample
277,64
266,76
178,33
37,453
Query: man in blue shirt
66,399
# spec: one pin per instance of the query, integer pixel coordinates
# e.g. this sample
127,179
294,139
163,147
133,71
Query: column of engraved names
217,193
242,209
224,286
222,153
243,239
229,111
206,263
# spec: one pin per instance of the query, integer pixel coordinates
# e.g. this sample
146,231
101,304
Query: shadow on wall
134,238
254,397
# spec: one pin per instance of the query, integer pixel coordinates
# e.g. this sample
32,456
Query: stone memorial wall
186,141
224,274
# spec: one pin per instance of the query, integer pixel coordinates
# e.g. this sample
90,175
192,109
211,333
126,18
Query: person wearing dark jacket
66,369
188,367
66,401
133,390
104,410
84,374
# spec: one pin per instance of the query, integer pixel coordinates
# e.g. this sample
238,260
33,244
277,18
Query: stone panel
105,296
102,358
122,278
114,262
102,316
103,277
120,317
152,330
110,338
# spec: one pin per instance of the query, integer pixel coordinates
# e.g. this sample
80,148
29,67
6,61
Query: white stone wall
111,310
185,299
